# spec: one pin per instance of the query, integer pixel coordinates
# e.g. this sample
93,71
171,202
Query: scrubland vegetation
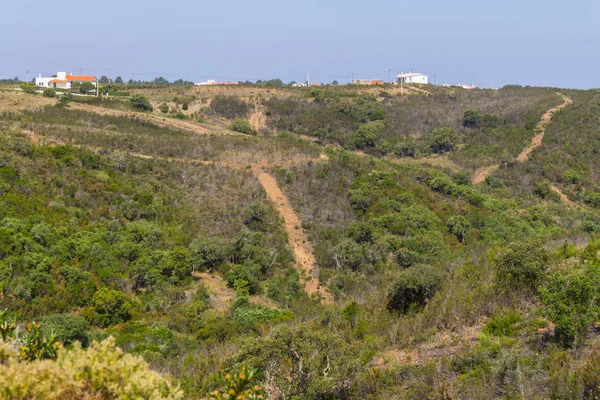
180,275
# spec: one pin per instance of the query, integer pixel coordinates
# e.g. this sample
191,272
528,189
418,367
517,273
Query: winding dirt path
536,141
563,197
303,251
258,120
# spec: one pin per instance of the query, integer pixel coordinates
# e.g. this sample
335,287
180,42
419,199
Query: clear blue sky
486,42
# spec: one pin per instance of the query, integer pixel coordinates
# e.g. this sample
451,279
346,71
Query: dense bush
230,107
572,301
443,140
164,108
242,126
102,371
49,92
521,265
472,119
413,288
140,103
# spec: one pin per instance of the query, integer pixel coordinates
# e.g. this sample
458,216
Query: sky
489,43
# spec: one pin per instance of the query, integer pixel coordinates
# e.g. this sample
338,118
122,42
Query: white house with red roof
62,80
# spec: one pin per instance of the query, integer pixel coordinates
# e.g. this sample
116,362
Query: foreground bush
101,372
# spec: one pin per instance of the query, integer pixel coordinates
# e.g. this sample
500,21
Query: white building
62,80
413,77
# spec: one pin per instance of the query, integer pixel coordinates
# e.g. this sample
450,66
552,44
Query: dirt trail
302,250
563,197
303,253
165,122
536,141
483,173
258,120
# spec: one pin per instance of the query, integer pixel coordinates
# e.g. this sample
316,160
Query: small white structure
412,77
62,80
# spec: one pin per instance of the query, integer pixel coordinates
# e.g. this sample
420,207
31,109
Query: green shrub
405,148
443,140
414,287
49,92
472,119
521,265
111,306
35,345
230,107
571,300
367,134
241,385
491,121
504,324
593,199
140,103
459,226
242,126
65,99
164,108
28,87
572,176
67,328
101,372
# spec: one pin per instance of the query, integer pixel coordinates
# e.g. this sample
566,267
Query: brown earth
483,173
563,197
302,250
258,120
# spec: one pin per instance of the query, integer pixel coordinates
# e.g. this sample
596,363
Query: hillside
347,242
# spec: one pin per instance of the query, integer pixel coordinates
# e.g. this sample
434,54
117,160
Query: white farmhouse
62,80
413,77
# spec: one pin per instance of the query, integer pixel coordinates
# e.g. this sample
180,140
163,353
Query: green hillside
157,233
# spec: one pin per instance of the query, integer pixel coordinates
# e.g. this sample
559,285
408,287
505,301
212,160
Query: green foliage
317,94
140,103
164,108
459,226
593,199
65,99
413,288
242,126
111,306
35,345
367,134
28,87
572,301
86,87
472,119
240,385
102,371
521,265
443,140
8,324
66,328
503,325
230,107
572,177
49,92
491,121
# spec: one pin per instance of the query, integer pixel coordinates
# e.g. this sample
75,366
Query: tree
140,103
104,80
443,140
335,83
472,119
521,264
571,300
119,80
459,226
111,306
414,287
367,134
86,87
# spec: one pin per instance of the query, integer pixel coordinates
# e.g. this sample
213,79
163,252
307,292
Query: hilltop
348,242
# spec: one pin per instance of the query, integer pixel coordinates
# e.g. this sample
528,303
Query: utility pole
27,77
352,78
308,78
389,75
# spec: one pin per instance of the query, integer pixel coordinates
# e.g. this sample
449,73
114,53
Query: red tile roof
57,81
80,78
